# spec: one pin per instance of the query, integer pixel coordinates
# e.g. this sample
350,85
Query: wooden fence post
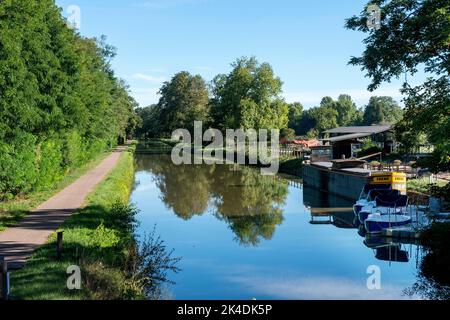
4,279
59,240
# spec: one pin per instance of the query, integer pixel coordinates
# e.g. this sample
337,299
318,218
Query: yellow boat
396,179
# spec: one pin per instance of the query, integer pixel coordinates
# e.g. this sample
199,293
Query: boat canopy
369,187
392,201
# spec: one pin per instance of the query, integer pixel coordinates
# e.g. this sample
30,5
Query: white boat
385,204
367,211
376,223
368,195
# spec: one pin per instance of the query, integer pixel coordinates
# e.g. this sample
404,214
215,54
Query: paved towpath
18,243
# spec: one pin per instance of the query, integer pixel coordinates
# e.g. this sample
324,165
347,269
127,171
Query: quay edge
344,183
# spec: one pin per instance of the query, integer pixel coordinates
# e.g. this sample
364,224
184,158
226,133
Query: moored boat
368,195
389,203
376,223
380,181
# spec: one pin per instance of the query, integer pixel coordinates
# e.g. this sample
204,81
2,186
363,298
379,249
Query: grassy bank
422,185
14,210
97,238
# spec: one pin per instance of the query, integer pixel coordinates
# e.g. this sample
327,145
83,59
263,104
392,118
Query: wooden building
347,141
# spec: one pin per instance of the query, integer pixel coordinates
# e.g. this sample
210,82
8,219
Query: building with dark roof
346,141
359,129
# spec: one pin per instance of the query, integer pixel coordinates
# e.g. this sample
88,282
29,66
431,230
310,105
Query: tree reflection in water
250,203
434,275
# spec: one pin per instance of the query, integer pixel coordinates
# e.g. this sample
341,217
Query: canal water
241,235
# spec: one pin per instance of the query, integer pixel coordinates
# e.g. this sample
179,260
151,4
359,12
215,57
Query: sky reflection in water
242,235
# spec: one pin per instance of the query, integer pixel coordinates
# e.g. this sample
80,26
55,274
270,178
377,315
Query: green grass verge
95,238
422,185
13,211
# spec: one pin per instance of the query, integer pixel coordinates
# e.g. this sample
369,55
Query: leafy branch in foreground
148,264
413,34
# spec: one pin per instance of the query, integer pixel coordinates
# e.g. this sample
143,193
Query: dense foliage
382,110
184,99
247,97
149,126
295,116
344,112
60,103
100,239
412,34
250,97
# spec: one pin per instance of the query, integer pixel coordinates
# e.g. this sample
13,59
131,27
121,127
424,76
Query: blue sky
304,40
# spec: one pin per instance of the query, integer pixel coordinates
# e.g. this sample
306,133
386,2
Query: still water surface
242,235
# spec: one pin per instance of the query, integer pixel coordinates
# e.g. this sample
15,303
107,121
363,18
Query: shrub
147,264
123,216
17,165
94,147
49,164
441,191
287,134
292,166
102,282
72,150
368,147
375,164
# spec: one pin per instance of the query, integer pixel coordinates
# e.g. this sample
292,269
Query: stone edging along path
18,243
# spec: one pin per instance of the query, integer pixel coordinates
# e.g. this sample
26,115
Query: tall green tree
325,117
295,116
318,119
382,110
307,122
413,33
149,125
348,112
184,99
60,102
248,97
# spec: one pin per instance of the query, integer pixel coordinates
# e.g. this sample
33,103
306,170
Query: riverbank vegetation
12,211
156,146
60,103
100,240
250,96
413,34
424,185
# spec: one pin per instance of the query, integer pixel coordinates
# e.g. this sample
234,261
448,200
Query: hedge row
60,102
